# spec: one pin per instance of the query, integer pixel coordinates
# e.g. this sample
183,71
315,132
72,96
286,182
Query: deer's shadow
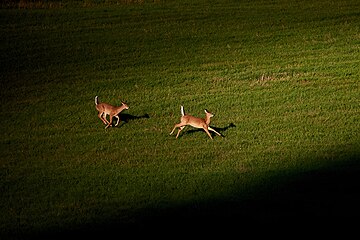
125,118
218,129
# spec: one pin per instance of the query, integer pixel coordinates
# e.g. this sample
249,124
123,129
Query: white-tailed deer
194,122
105,109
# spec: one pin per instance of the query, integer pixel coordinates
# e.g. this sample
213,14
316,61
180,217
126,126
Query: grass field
282,78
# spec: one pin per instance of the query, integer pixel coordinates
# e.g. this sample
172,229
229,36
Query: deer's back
193,121
105,107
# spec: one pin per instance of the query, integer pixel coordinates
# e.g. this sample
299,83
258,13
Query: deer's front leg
118,120
207,132
211,129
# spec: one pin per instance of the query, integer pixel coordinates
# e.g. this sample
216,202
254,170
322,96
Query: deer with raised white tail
105,109
194,122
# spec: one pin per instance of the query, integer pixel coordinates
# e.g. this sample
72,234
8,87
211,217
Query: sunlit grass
281,78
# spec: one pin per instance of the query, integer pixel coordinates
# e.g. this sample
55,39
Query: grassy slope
285,74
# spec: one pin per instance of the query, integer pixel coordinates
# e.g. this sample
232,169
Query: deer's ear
206,111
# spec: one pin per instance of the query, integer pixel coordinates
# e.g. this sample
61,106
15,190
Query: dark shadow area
324,201
128,117
218,129
125,118
224,129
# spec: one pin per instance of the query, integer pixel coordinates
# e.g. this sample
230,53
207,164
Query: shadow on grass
326,199
218,129
224,129
126,118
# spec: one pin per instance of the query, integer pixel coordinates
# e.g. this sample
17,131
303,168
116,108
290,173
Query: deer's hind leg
180,129
176,126
110,122
100,115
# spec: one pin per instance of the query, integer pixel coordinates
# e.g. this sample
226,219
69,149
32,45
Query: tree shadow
218,129
323,200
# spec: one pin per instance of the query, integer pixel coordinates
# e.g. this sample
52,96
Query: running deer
105,109
194,122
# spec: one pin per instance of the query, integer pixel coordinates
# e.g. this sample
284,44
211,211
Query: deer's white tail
182,110
96,100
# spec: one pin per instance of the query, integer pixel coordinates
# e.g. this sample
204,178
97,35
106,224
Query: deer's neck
207,120
119,109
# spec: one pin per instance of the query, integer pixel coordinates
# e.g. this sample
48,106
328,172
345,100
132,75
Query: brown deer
194,122
105,109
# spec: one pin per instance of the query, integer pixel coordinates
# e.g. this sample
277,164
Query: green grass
282,78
